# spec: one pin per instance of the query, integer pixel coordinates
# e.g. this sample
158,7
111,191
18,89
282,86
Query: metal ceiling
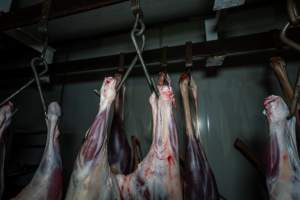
119,17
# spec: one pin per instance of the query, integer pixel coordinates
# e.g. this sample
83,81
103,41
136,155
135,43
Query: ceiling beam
60,8
238,51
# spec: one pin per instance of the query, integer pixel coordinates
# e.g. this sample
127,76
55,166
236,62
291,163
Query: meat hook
133,62
293,12
296,96
26,85
138,33
139,53
34,61
286,40
294,20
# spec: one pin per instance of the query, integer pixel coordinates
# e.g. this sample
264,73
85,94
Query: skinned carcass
283,167
5,119
158,175
120,156
199,181
47,182
92,177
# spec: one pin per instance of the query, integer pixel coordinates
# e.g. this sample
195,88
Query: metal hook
296,46
44,30
286,40
33,63
294,21
293,12
138,32
296,96
133,62
139,53
23,87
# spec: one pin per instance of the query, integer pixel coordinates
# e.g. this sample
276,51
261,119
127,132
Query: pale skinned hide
46,183
199,181
283,171
5,119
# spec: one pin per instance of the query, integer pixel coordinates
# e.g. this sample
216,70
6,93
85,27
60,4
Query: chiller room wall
231,102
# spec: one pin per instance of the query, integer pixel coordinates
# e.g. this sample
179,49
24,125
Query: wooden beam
60,8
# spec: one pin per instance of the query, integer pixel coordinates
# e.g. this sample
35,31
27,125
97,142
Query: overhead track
240,46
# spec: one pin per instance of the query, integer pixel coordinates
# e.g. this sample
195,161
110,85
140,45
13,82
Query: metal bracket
215,61
31,41
224,4
136,8
211,27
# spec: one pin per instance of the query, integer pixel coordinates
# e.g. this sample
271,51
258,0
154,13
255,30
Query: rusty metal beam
60,8
237,50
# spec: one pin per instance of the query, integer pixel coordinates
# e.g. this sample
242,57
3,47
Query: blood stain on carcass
170,160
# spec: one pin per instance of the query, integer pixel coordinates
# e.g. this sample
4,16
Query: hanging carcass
199,180
158,175
92,177
5,119
283,167
46,183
